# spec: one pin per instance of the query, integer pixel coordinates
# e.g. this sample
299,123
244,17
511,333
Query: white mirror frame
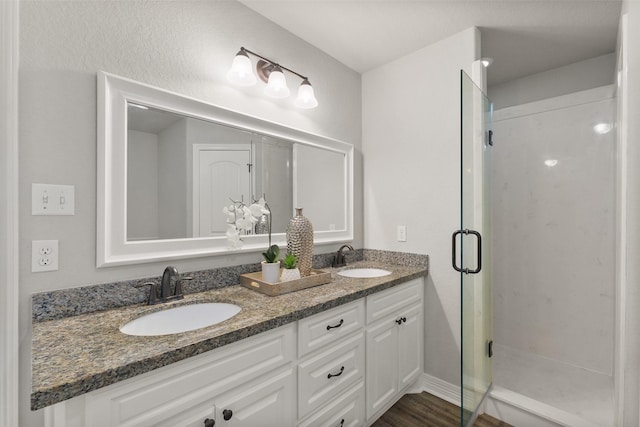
112,246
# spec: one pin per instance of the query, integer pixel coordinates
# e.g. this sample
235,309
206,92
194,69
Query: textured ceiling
522,36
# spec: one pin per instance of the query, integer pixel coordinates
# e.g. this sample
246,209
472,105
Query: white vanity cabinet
341,367
394,343
331,363
248,383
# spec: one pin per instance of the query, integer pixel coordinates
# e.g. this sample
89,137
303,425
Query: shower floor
586,394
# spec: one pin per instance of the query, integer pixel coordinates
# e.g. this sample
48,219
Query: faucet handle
178,291
153,291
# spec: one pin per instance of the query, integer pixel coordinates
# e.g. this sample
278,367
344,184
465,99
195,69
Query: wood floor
426,410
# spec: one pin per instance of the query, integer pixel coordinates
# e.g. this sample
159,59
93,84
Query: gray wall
583,75
411,142
185,47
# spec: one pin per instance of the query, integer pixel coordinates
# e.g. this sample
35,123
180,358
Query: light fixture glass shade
306,97
277,85
241,72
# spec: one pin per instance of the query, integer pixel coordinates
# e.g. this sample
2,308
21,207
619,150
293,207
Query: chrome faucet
339,259
164,292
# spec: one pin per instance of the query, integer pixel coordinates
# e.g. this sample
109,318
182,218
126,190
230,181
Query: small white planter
290,274
271,271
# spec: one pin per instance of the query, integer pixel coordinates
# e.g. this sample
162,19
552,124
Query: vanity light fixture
272,74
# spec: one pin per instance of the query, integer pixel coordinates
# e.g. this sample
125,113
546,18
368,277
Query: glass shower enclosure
471,247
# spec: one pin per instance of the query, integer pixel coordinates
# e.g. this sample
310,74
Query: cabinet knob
341,422
209,422
329,327
336,375
227,414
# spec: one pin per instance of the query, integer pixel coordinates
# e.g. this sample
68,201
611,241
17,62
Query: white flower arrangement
242,219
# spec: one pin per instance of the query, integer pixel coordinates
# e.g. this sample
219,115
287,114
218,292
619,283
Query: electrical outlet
44,255
402,233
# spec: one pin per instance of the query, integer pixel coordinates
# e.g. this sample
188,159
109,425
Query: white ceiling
522,36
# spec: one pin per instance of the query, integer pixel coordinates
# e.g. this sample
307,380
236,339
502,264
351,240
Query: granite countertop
79,354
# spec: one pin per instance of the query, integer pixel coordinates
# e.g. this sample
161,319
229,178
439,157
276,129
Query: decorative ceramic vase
300,241
271,271
289,274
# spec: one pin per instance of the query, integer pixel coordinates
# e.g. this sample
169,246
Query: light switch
49,199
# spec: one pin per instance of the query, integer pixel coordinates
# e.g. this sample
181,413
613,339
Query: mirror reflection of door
223,174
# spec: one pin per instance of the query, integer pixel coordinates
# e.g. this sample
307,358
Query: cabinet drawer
324,328
390,301
348,407
150,398
328,373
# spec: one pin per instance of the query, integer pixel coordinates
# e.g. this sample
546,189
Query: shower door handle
454,247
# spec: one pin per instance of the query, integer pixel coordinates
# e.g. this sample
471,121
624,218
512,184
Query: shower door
472,248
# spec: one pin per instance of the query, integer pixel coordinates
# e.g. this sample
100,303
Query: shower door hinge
490,349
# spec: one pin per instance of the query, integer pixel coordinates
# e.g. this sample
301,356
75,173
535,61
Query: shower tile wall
554,200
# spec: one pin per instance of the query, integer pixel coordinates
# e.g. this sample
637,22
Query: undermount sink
364,273
180,319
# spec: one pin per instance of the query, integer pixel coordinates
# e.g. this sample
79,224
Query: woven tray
254,281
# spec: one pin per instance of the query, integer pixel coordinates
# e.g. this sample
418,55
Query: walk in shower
554,213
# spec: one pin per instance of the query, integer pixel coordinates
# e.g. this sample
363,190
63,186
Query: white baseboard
441,388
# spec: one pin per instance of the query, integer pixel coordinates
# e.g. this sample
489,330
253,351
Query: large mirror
168,165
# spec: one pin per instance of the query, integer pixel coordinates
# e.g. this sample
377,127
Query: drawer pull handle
329,327
227,414
401,320
336,375
209,422
341,422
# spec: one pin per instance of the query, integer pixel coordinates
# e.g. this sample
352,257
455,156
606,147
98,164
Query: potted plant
291,271
271,264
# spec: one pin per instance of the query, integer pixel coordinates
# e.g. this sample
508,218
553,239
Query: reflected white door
222,176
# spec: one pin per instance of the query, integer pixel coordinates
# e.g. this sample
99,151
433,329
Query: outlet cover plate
44,255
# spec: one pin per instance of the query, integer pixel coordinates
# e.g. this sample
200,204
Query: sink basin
180,319
364,273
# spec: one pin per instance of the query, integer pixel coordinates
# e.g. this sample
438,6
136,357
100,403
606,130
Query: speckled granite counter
78,354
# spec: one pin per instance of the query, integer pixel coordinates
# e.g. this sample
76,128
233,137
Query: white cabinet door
262,403
382,365
410,338
394,344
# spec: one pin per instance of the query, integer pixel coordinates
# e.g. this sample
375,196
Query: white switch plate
402,233
49,199
44,255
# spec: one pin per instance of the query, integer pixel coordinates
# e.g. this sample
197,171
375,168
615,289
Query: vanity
336,354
